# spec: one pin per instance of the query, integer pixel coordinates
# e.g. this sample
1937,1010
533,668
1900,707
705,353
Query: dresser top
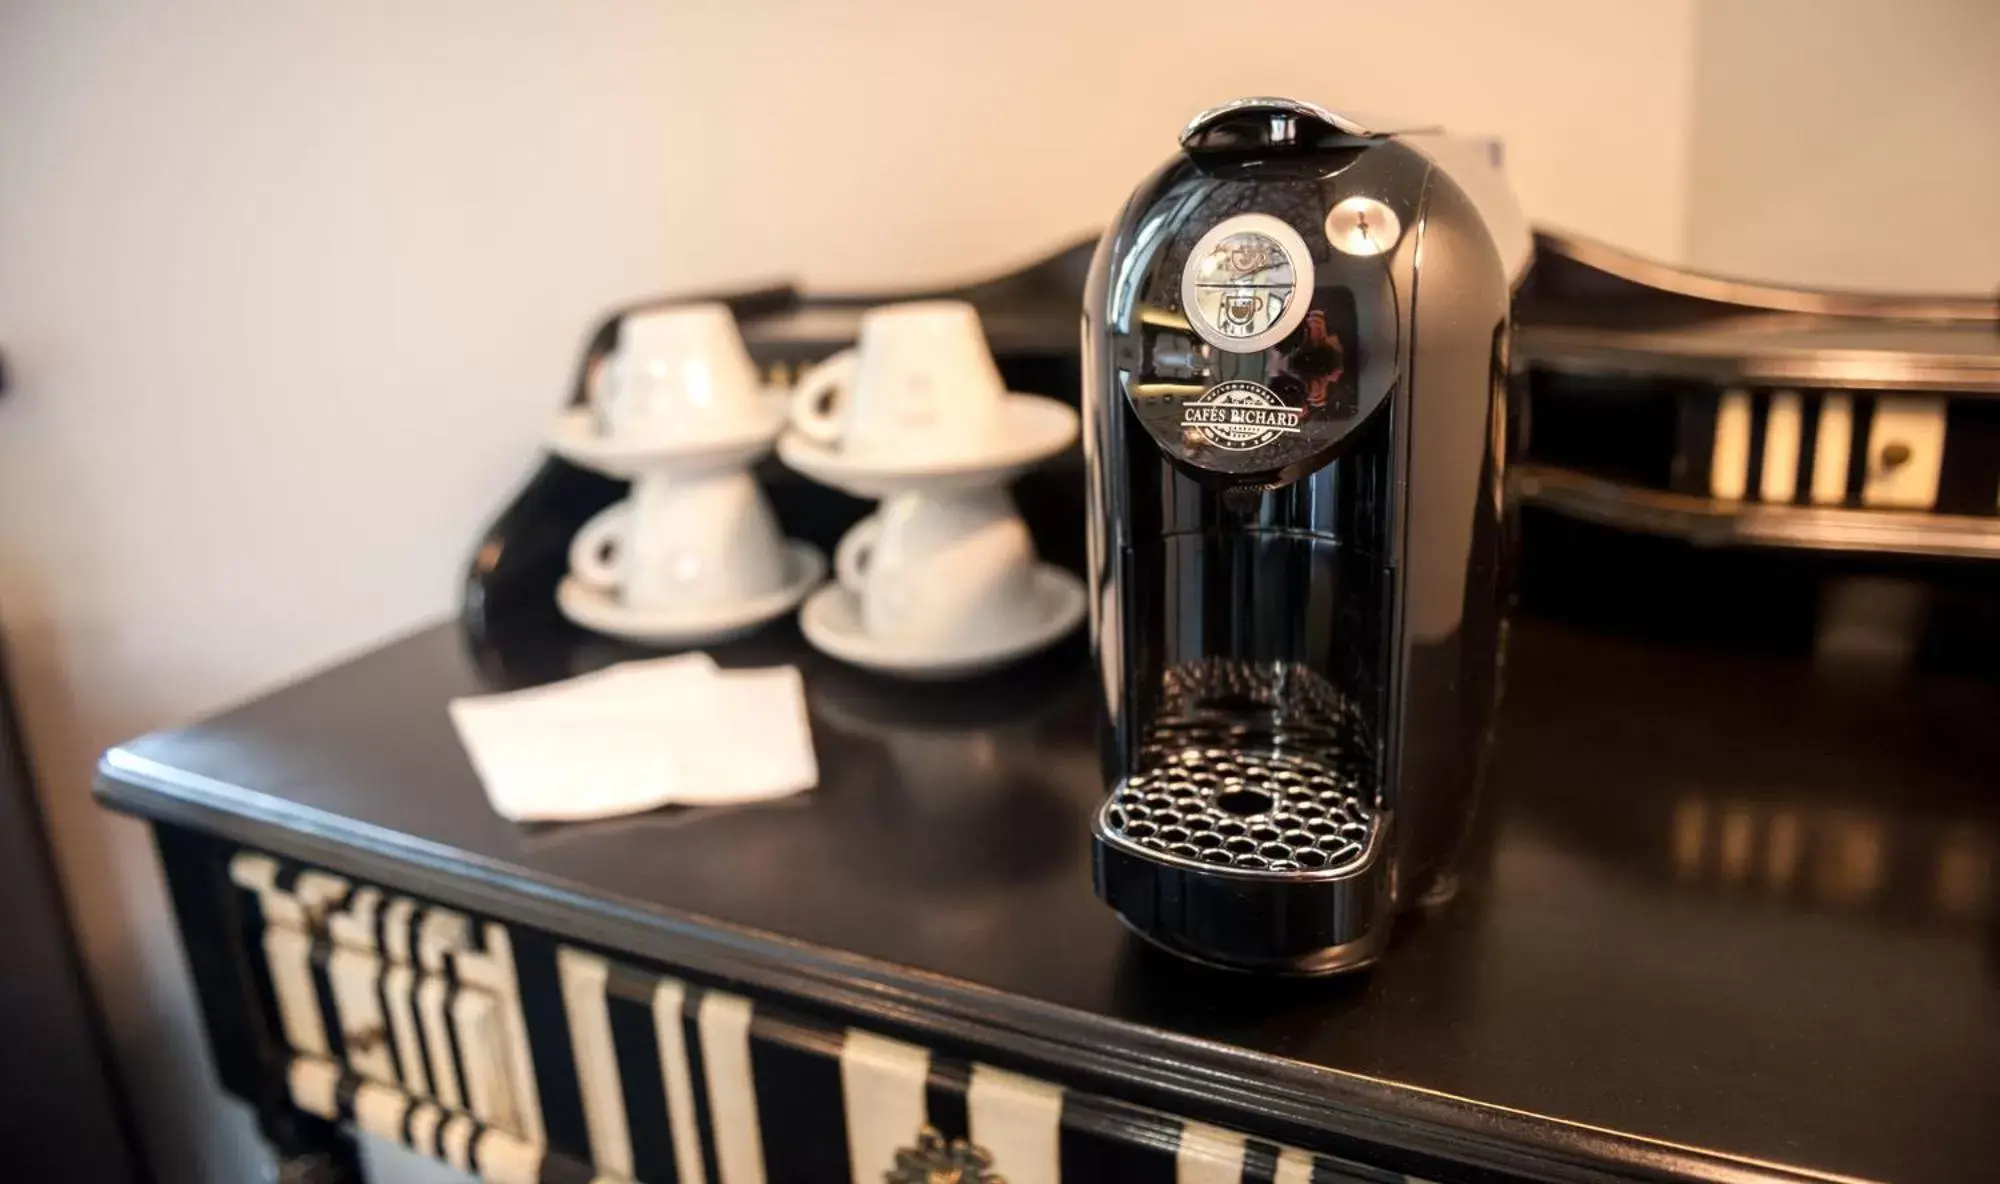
1726,915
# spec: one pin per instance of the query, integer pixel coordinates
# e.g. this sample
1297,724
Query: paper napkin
638,736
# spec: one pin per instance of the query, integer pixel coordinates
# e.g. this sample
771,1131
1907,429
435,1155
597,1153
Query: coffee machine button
1362,226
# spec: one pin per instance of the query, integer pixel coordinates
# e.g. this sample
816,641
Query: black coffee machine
1295,398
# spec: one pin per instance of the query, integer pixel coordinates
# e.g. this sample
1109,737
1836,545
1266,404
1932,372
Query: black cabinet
1695,941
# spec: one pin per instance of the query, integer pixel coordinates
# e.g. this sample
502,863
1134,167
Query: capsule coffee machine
1295,394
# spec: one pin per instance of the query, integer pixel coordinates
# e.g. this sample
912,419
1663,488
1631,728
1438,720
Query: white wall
880,142
285,290
288,290
1849,143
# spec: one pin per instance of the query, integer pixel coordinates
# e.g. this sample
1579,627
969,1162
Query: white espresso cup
678,375
919,385
683,544
941,573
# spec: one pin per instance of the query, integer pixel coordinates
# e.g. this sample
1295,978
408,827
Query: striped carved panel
411,997
683,1083
522,1060
1825,448
320,1086
1832,449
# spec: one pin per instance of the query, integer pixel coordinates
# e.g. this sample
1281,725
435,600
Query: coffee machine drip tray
1248,834
1219,798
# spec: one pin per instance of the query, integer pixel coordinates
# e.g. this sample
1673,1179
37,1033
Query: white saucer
575,438
831,621
1033,429
602,612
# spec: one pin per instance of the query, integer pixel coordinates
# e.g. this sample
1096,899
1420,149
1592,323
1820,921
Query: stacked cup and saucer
942,581
693,555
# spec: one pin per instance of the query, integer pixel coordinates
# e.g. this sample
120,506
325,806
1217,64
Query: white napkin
638,736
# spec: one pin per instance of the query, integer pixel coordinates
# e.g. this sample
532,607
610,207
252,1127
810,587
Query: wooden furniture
1721,410
1730,914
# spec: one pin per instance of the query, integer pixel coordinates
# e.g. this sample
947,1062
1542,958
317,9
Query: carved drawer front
1828,449
677,1082
524,1061
414,998
319,1086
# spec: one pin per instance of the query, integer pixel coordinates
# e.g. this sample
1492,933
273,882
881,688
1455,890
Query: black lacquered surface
1727,895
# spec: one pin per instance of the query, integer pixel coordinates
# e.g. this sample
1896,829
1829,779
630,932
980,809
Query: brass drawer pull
935,1161
367,1040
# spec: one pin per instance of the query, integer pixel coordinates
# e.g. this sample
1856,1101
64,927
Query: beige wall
285,290
289,290
875,142
1848,142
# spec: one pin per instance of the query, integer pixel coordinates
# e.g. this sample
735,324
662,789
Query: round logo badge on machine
1239,416
1247,283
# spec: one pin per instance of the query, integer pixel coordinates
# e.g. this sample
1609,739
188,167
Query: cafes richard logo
1239,416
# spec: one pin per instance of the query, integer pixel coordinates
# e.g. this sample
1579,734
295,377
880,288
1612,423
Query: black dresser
1729,913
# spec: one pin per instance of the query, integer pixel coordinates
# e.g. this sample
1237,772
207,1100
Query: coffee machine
1296,374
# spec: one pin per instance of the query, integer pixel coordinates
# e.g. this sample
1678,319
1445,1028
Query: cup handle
597,383
817,400
593,553
851,556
